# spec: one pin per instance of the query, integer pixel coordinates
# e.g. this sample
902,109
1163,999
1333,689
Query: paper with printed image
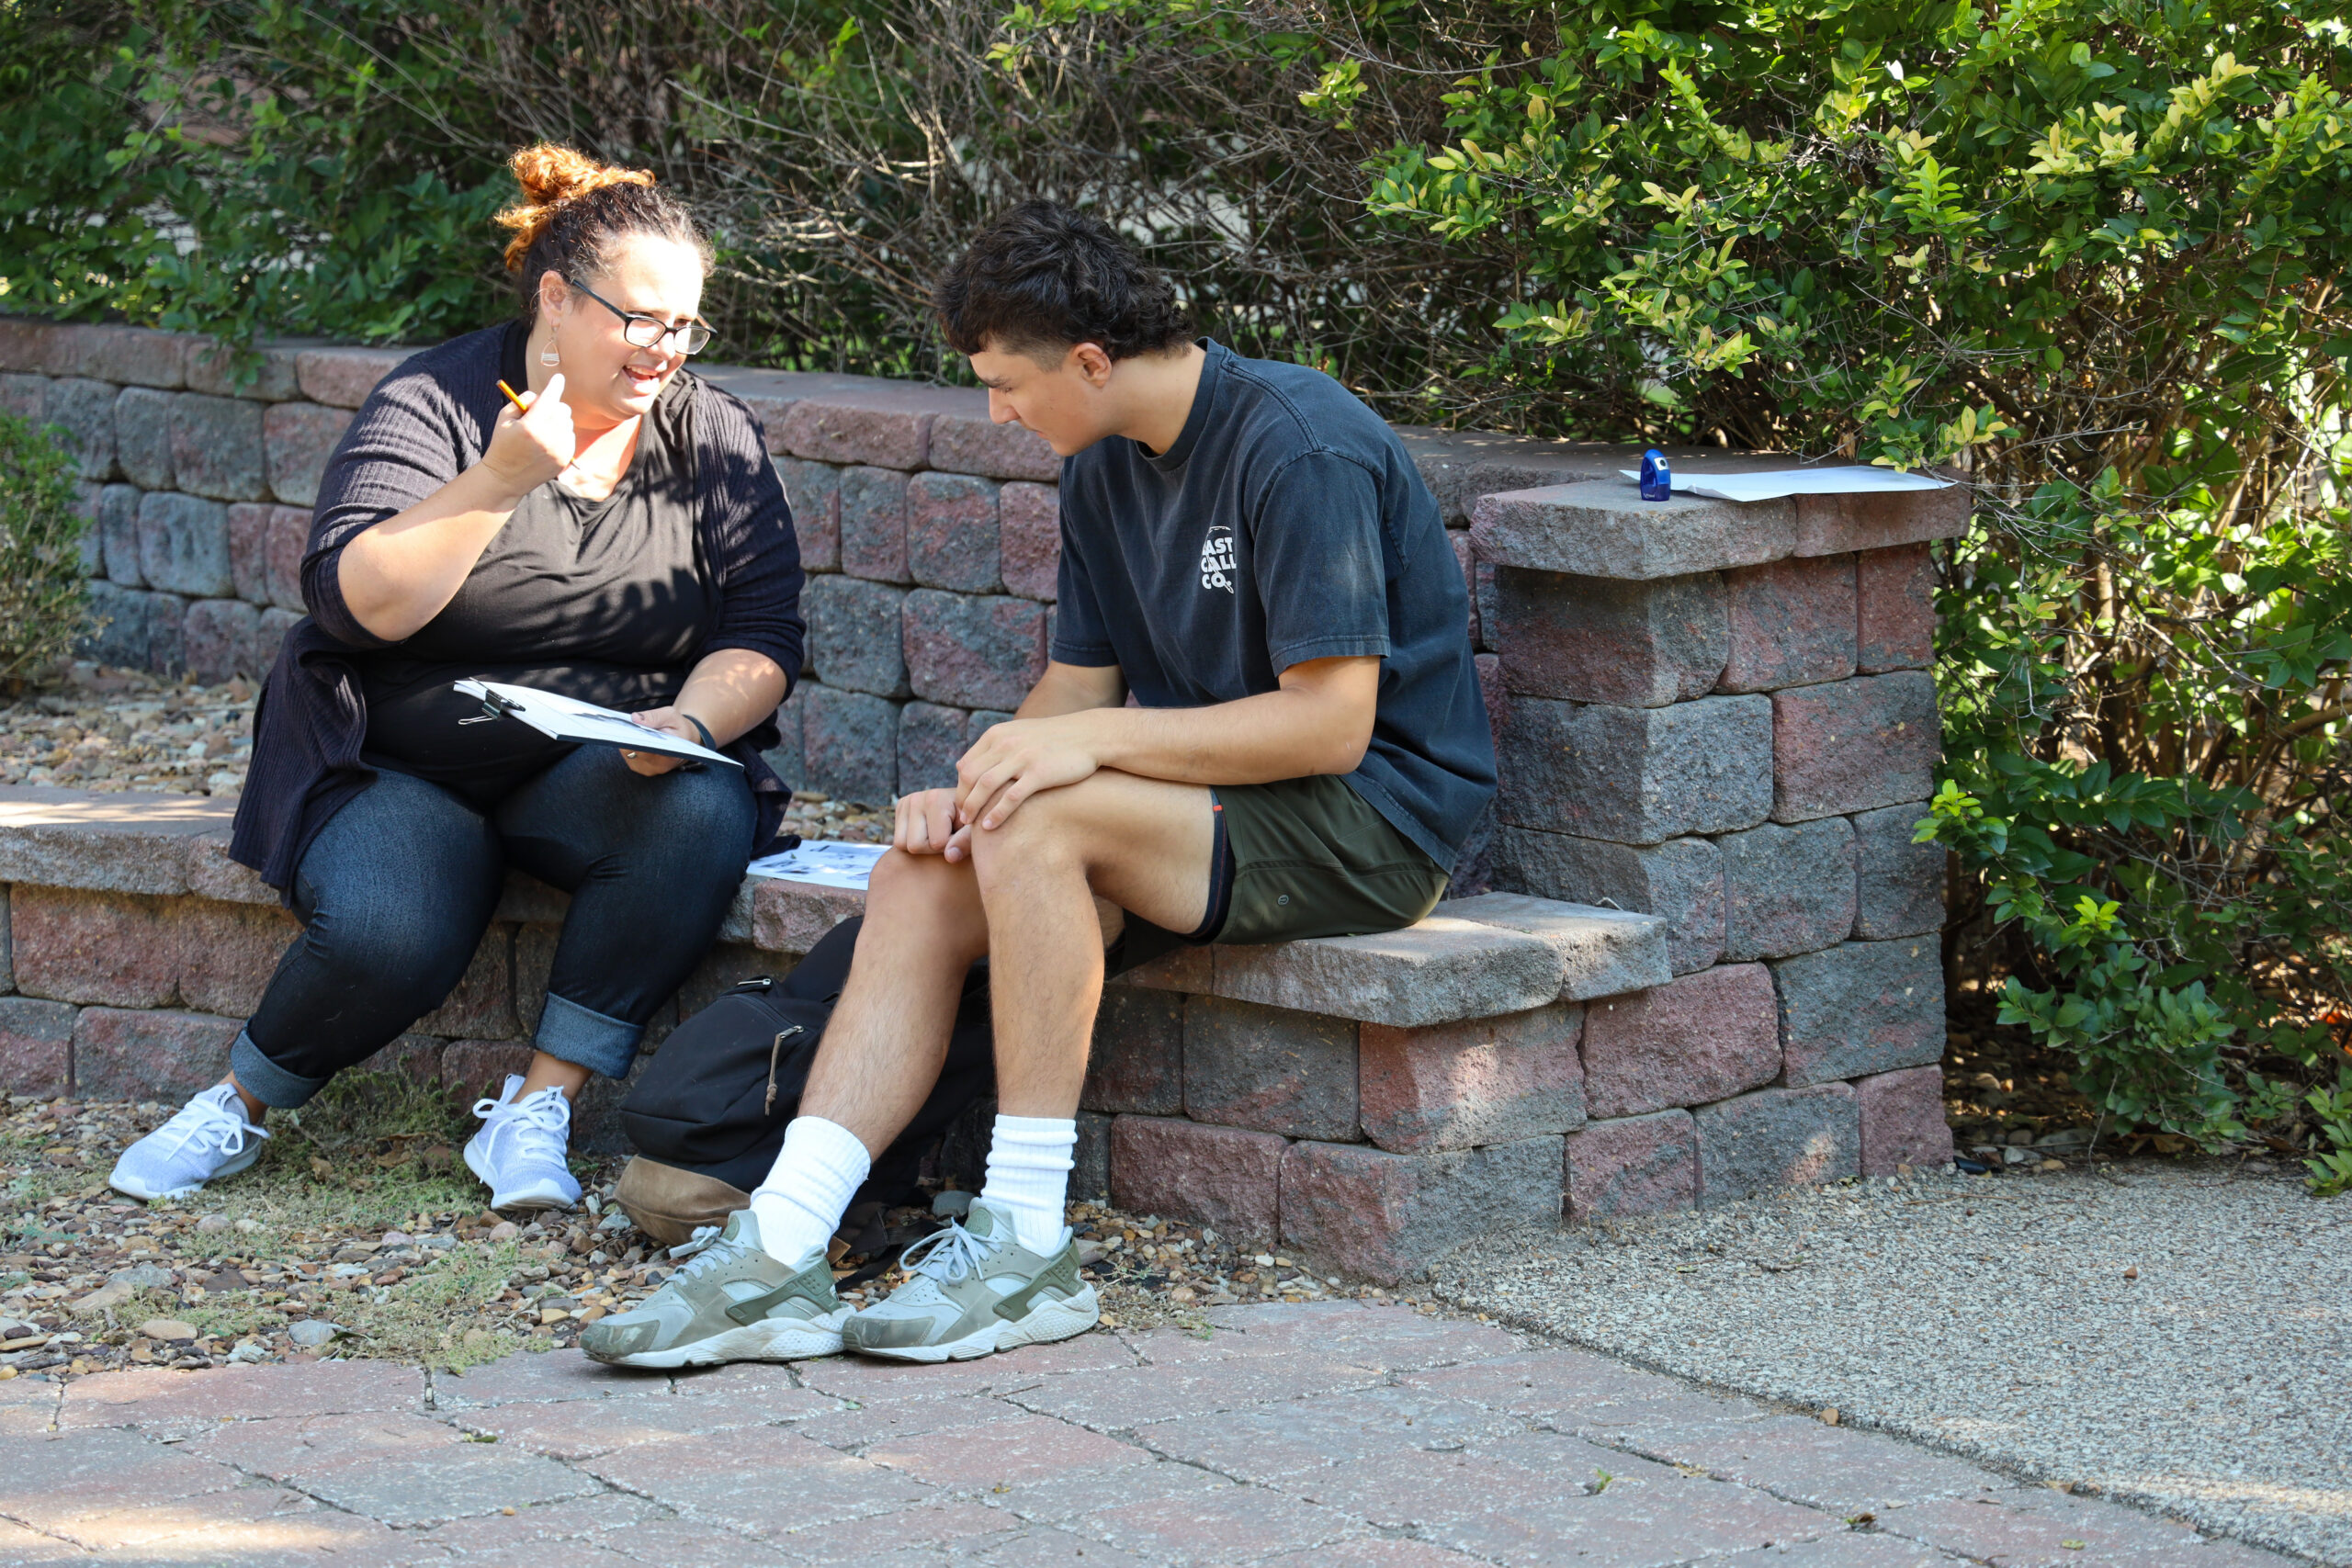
1777,484
828,862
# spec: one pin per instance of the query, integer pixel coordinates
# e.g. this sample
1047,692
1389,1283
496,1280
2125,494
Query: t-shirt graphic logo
1217,558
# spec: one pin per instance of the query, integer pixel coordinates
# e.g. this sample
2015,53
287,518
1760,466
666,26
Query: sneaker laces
704,1235
540,1121
945,1256
207,1127
706,1249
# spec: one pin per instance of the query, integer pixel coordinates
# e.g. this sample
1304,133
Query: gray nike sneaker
976,1290
731,1303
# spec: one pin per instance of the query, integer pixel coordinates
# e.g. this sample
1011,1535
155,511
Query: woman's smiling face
607,378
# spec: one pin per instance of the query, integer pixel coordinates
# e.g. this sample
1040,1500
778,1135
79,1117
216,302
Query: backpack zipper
774,1050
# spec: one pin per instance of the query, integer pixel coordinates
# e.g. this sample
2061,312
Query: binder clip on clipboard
569,719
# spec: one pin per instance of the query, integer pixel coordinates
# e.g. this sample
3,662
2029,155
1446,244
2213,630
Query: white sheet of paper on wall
1777,484
828,862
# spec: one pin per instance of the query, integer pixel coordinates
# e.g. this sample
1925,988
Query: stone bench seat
1476,957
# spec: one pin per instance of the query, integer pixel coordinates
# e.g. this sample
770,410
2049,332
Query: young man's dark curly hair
1044,277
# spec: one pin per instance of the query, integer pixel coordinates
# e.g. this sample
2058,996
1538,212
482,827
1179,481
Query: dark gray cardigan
424,423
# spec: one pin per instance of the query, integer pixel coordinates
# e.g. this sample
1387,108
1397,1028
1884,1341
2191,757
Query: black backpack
714,1099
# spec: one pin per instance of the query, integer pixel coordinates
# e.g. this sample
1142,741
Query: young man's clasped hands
1259,721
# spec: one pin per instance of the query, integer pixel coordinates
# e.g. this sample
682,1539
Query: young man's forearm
1277,735
1318,722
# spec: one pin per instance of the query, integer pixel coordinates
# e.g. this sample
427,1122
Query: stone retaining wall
1718,715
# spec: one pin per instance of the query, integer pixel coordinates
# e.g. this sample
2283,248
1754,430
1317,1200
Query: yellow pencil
520,406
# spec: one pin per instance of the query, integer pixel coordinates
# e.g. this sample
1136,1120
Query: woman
625,541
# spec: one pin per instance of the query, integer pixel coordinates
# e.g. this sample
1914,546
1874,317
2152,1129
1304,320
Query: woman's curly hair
574,208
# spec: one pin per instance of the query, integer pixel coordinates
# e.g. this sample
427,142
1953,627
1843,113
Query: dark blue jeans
395,892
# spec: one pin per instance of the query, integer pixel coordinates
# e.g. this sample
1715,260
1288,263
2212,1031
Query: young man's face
1064,401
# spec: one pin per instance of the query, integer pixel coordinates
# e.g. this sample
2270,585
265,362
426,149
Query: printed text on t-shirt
1217,558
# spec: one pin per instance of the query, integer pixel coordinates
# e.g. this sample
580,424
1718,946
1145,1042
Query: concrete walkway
1341,1435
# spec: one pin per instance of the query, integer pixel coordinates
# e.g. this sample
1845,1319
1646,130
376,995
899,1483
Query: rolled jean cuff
573,1034
266,1080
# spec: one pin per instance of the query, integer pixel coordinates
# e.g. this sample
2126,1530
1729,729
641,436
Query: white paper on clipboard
828,863
568,718
1852,480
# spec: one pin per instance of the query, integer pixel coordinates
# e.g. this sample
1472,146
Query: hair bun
551,176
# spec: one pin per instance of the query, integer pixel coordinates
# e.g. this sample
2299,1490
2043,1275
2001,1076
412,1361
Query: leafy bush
2089,253
252,167
44,601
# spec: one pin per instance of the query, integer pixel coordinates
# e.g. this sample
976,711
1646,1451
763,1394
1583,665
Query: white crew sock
799,1206
1029,1167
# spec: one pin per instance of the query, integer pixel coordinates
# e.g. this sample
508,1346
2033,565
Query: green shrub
44,601
248,166
2089,252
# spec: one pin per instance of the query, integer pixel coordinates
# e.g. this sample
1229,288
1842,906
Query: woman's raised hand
528,450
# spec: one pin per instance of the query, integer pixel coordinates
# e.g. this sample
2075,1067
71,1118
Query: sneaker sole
131,1188
1044,1323
542,1197
772,1341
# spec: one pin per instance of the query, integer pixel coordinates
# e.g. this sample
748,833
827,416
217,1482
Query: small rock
397,1238
167,1328
213,1222
1089,1252
248,1227
103,1299
311,1333
247,1352
505,1230
145,1276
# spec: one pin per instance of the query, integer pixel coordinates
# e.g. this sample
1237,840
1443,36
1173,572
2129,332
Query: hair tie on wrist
700,728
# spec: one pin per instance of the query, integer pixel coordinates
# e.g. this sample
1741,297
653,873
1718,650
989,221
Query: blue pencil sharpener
1657,476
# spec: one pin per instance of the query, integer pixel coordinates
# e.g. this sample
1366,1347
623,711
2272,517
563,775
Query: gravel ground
357,1235
2174,1334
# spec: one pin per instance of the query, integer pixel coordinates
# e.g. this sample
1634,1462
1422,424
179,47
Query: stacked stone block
197,471
1722,715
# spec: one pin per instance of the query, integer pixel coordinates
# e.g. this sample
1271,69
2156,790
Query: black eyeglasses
641,330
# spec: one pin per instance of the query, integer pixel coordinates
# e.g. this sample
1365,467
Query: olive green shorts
1299,858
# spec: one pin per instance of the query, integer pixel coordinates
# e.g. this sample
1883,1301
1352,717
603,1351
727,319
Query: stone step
1472,958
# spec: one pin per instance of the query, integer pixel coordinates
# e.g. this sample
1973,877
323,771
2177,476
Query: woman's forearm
400,573
732,691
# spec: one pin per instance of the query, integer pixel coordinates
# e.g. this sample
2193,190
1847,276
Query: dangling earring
549,356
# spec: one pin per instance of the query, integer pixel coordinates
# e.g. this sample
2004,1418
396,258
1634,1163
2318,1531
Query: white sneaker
209,1138
519,1153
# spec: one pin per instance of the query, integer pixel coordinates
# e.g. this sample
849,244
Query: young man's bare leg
1145,844
882,1048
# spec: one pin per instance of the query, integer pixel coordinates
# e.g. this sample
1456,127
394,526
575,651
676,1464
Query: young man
1246,549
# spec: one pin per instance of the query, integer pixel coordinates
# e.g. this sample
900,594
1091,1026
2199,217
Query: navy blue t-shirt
1286,523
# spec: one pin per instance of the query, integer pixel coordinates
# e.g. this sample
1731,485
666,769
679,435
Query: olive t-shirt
1286,523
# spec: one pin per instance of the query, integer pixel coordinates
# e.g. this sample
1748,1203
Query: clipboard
568,718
